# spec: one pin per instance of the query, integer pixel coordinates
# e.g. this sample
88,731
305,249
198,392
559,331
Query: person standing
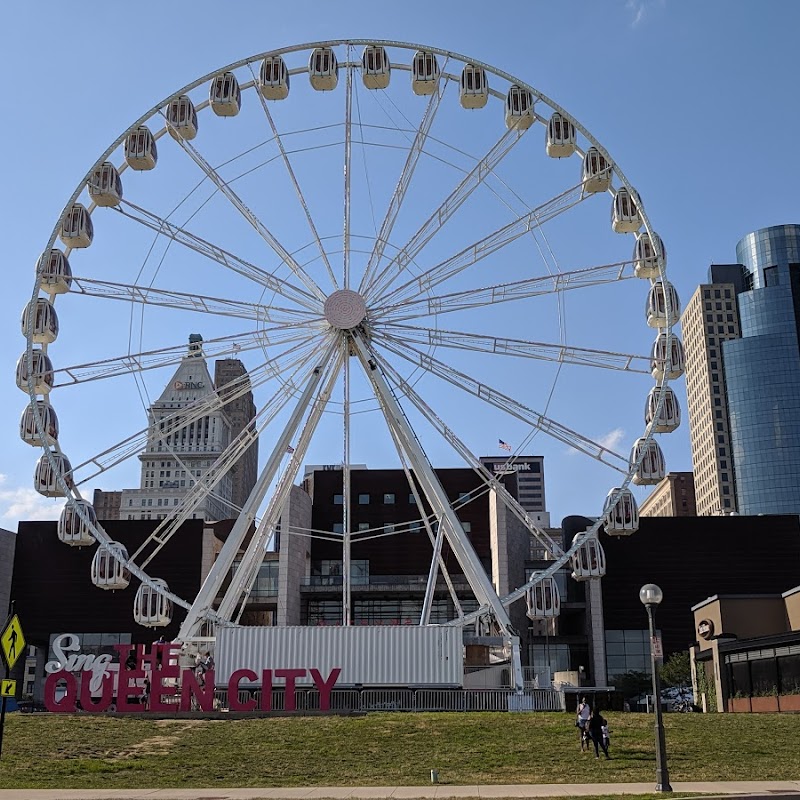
584,715
596,723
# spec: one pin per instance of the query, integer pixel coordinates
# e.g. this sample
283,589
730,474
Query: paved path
772,789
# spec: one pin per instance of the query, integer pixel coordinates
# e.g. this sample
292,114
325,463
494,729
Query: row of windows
389,499
415,526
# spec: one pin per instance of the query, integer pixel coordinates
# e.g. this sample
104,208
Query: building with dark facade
742,334
241,412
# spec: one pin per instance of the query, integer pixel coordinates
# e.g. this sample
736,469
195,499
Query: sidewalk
772,789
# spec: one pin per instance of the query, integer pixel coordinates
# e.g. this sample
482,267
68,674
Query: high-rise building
762,372
530,480
741,334
241,411
710,319
673,497
175,460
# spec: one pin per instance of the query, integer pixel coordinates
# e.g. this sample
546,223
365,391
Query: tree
676,670
632,683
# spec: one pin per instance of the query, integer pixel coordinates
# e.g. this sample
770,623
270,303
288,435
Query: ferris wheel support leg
437,497
224,561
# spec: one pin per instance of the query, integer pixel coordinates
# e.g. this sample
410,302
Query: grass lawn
81,751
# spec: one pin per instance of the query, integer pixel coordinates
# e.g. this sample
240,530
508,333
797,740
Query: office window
338,527
338,499
388,499
467,526
412,500
363,526
363,499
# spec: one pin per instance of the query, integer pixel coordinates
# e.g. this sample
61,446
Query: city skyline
642,161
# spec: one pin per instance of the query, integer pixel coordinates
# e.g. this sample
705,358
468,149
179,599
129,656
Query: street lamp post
651,595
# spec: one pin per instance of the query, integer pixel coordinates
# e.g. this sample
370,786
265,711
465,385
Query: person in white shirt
584,715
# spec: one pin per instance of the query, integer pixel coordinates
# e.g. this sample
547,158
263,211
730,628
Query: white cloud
611,439
641,8
21,503
636,7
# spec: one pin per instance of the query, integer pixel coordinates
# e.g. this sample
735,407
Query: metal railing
409,700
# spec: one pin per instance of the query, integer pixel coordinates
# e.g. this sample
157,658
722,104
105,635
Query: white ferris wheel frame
315,385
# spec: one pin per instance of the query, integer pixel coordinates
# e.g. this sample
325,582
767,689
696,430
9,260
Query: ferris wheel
403,242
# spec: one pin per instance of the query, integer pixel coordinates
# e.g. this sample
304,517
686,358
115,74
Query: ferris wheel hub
345,309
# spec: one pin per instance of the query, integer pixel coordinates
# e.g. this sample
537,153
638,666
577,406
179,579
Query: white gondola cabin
424,73
181,118
658,303
589,560
72,529
543,599
42,372
225,96
645,263
107,571
562,138
76,227
54,272
375,67
625,212
621,513
273,80
27,425
151,608
658,357
45,478
42,319
652,468
323,69
141,152
669,418
474,92
596,172
519,109
105,186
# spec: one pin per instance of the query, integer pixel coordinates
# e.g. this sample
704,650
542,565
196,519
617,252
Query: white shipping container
367,655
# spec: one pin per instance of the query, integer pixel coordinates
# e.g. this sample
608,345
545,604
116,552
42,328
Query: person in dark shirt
596,723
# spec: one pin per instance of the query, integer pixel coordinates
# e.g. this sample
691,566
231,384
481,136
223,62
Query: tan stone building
673,497
710,318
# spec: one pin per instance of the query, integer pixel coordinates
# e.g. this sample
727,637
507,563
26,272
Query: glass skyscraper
762,371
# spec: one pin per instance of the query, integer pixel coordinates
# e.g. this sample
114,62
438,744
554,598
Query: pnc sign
98,683
182,385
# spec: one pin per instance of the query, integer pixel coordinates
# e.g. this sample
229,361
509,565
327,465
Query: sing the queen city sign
98,683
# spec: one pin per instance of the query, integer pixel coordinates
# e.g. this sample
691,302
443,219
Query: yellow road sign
12,642
8,688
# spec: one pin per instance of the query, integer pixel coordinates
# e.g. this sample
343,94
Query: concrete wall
743,617
792,600
294,557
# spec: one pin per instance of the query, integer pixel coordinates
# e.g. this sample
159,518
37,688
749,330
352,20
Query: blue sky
696,103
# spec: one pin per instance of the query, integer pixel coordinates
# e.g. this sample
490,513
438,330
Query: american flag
504,445
289,449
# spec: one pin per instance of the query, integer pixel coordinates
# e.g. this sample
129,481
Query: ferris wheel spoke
542,351
254,221
435,222
227,459
168,356
290,171
488,478
264,533
395,204
431,486
435,538
504,292
186,301
505,403
214,253
484,247
172,425
348,152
